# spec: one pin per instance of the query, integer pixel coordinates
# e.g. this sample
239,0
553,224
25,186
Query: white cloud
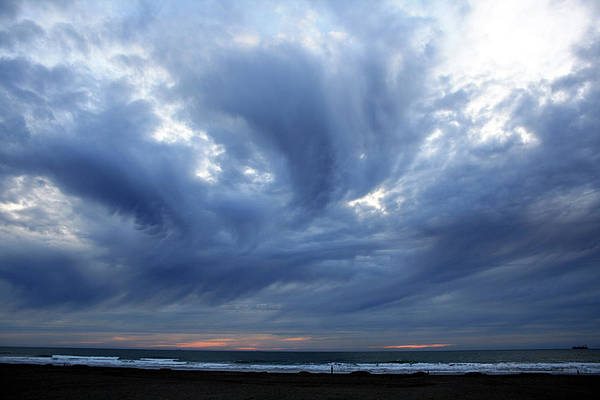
520,41
33,208
500,46
372,201
247,40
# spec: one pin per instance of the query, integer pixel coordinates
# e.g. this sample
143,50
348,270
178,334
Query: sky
300,175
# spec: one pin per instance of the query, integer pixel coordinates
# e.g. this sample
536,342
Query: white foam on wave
160,361
84,358
570,368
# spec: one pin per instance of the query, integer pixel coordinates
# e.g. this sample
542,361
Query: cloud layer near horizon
357,175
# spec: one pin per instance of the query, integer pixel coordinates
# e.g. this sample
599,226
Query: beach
79,382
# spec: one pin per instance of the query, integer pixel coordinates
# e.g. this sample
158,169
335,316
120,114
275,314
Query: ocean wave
572,368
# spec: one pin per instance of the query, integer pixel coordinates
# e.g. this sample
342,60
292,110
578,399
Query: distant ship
584,347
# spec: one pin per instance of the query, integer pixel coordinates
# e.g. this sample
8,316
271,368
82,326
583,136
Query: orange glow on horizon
201,344
418,346
297,339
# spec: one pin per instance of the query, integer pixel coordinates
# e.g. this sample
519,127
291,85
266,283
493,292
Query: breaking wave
572,368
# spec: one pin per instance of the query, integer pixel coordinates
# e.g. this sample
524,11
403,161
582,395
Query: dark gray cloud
44,277
471,236
8,9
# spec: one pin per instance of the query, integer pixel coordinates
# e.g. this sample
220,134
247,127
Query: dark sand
53,382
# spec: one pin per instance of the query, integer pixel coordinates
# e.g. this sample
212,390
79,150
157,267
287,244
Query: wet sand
79,382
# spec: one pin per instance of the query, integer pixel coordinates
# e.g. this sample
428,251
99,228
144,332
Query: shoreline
569,371
245,362
28,381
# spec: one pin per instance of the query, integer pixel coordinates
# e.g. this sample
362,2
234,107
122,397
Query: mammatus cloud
298,175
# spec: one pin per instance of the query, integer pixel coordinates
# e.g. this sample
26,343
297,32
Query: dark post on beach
331,369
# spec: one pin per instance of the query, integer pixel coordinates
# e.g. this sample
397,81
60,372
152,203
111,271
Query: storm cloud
358,175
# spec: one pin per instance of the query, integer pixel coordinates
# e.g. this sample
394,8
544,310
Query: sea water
585,362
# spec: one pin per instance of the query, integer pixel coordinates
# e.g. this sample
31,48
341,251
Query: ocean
378,362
